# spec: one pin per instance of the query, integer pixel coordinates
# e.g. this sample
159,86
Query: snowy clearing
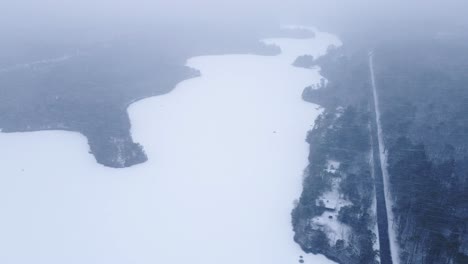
332,201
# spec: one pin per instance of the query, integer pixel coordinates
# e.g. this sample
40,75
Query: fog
29,23
113,14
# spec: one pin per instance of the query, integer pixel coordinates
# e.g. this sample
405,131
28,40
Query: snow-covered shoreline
226,154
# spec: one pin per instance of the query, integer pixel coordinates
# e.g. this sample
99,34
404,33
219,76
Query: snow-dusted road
388,239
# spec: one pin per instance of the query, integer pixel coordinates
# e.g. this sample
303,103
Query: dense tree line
340,135
424,95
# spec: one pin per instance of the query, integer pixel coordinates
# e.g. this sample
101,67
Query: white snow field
226,156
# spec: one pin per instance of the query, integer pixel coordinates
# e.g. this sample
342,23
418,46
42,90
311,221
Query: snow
335,230
333,166
218,187
331,199
328,221
375,227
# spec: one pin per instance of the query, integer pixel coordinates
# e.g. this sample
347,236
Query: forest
342,134
422,82
424,95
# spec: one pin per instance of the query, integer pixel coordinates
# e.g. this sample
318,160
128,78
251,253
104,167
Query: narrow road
387,237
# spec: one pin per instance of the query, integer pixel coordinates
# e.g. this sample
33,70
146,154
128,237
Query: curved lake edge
128,193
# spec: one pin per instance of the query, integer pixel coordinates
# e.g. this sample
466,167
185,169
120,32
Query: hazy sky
50,12
32,17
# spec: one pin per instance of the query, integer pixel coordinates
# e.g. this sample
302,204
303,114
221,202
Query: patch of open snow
333,166
331,199
339,111
375,227
218,186
334,229
328,221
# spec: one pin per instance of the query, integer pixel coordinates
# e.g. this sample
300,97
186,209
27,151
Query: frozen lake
226,154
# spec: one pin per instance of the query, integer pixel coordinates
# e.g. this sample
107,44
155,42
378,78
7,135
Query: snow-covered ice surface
226,152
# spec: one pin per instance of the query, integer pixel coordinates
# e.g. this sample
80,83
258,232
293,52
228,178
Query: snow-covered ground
375,227
226,154
332,166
